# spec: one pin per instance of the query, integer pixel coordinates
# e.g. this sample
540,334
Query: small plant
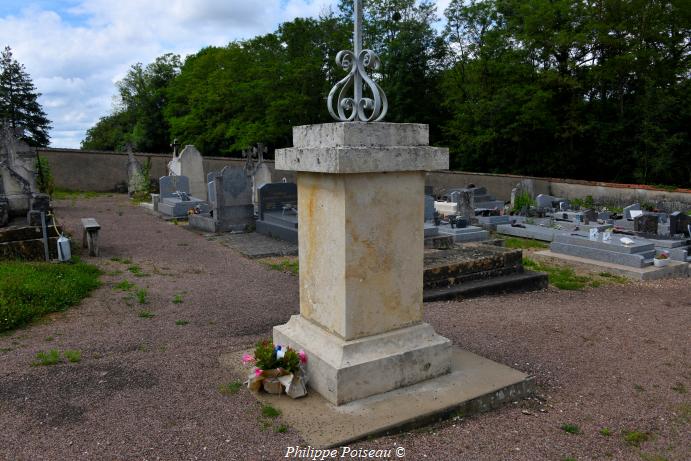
635,438
571,428
49,338
287,265
605,431
523,244
181,322
146,314
282,429
522,200
270,412
177,299
125,285
230,388
142,296
44,179
121,260
51,357
639,388
73,356
175,221
137,271
679,388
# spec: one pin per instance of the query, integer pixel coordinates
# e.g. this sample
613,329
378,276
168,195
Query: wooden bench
90,235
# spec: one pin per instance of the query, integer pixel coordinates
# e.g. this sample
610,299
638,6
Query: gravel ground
147,388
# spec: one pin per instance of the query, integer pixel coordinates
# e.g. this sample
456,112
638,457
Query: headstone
544,201
466,206
589,216
168,185
190,163
678,223
261,177
429,208
627,210
646,224
17,170
273,197
230,196
136,181
564,205
278,213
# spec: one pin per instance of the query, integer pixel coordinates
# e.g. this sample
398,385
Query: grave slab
473,385
673,269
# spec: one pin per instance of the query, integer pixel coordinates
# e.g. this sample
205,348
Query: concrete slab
673,269
254,245
475,385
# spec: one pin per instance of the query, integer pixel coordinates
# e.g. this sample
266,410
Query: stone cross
175,146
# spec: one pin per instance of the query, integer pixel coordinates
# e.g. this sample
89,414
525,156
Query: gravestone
590,216
466,204
17,171
679,223
628,209
429,208
278,215
175,199
638,254
190,163
646,224
136,180
544,201
230,198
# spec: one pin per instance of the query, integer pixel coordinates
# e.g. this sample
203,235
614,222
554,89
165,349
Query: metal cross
365,109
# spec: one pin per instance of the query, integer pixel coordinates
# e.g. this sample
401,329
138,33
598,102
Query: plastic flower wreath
273,361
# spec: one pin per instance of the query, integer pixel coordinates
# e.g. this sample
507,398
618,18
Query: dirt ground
614,357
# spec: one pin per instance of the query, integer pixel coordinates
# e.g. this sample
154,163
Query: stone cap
361,134
358,147
342,160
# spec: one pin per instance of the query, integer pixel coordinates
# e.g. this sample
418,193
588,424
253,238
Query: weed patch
181,322
636,438
287,265
142,296
606,431
146,314
270,412
523,244
30,290
177,299
125,285
44,359
230,388
137,271
571,428
73,356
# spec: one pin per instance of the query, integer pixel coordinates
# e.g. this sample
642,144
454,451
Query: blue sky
75,50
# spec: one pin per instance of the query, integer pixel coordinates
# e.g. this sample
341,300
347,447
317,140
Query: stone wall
75,169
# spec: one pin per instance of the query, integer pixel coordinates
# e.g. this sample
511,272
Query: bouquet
277,369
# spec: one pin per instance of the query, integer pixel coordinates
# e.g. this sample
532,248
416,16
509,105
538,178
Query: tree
19,105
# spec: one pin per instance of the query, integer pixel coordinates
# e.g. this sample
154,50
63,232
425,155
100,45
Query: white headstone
191,164
261,176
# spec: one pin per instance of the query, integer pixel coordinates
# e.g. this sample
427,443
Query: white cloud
75,54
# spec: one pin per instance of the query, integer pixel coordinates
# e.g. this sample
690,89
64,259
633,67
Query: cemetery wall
103,171
100,171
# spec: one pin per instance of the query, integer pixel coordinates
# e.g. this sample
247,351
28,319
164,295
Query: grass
565,278
73,356
606,431
177,299
523,244
181,322
142,296
571,428
66,194
282,429
636,438
121,260
270,412
287,265
45,359
137,271
230,388
146,314
125,285
679,388
31,290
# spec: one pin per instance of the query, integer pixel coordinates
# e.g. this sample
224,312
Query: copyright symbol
400,452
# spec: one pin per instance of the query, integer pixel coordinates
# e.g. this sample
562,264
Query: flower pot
660,262
272,386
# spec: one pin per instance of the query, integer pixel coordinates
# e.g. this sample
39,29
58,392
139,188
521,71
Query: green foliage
181,322
142,296
125,285
605,431
73,356
44,177
571,428
30,290
146,314
230,388
563,278
177,299
587,203
287,265
523,200
270,412
19,105
523,244
635,438
266,358
52,357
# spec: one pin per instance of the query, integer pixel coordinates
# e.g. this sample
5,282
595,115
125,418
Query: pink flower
258,372
303,356
247,358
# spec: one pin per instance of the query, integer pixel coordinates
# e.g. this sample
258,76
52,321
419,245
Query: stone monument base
343,371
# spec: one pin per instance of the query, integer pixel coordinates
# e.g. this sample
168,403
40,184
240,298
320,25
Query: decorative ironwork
344,107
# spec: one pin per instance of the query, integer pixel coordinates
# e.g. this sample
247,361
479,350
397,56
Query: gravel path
147,388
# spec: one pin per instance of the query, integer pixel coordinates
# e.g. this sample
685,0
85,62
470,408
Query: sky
76,50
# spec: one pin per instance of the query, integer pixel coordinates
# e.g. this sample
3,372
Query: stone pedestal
361,214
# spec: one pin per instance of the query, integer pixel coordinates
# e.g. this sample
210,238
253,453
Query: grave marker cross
344,107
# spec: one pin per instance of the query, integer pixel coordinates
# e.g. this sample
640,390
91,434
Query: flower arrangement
661,260
277,369
662,255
